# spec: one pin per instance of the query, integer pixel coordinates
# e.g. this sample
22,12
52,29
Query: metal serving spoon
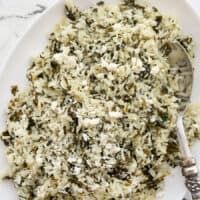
180,63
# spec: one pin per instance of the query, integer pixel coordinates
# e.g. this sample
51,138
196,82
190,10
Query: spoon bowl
181,64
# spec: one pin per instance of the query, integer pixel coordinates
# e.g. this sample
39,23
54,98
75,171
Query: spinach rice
98,117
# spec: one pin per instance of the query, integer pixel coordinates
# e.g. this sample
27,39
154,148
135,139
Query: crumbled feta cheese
115,115
109,66
39,159
117,27
67,62
71,159
137,65
155,70
90,122
54,105
148,33
76,170
85,137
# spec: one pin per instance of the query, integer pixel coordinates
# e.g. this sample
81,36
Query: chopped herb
14,89
165,116
100,3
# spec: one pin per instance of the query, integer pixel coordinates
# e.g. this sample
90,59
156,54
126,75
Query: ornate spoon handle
192,181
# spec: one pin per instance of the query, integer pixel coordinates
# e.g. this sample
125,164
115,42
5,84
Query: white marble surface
15,18
17,15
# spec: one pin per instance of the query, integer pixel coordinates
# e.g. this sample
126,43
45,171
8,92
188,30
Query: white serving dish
33,42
